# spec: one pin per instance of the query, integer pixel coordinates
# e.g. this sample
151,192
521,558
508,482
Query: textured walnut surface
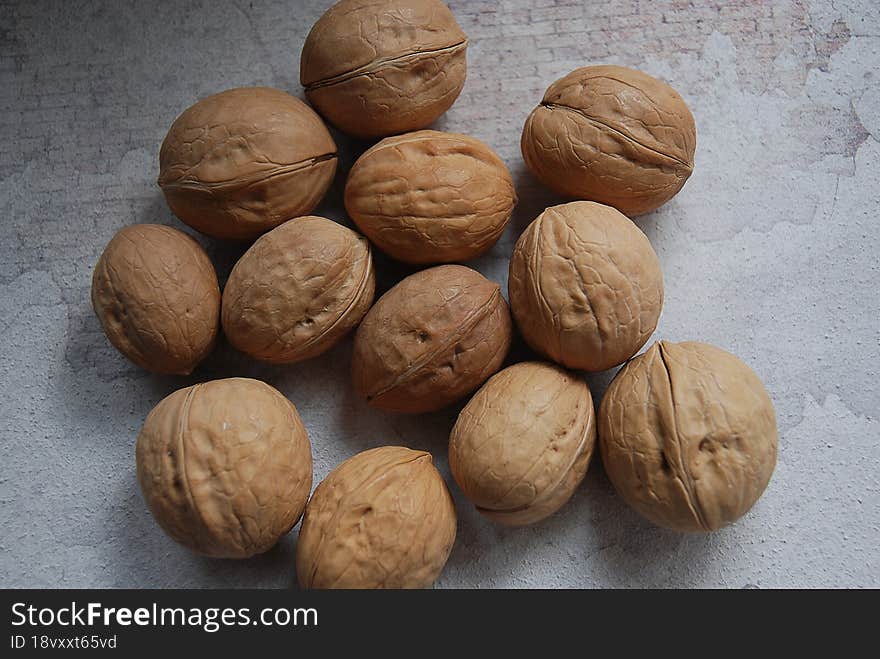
770,250
380,67
585,286
522,444
298,290
430,197
688,436
225,466
613,135
430,340
381,519
156,294
242,161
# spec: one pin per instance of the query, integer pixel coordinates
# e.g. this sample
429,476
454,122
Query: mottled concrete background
771,251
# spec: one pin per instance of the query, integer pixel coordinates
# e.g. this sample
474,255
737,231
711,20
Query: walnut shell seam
567,108
367,69
184,183
479,314
181,428
679,466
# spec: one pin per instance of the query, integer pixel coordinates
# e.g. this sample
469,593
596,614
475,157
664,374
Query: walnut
155,292
298,290
688,436
382,519
585,286
381,67
225,466
430,340
243,161
523,443
430,197
612,135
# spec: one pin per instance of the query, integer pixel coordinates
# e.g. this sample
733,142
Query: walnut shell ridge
523,443
156,294
688,436
430,197
613,135
376,68
298,290
382,519
225,466
241,162
585,286
432,339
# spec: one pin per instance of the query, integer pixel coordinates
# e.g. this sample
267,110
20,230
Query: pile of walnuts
686,431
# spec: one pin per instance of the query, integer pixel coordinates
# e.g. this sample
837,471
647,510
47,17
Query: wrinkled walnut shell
430,340
430,197
241,162
225,466
155,292
523,443
612,135
298,290
688,436
381,68
585,286
382,519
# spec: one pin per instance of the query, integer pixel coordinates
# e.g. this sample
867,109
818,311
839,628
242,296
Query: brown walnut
430,197
225,466
430,340
612,135
155,292
382,519
688,436
523,443
381,67
585,286
241,162
298,290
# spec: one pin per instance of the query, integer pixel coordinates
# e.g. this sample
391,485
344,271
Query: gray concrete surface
771,251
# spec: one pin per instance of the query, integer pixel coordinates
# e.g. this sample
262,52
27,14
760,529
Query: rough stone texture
771,251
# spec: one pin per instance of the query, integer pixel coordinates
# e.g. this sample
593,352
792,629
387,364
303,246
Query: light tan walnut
241,162
523,443
688,436
225,466
430,197
585,286
430,340
155,292
612,135
382,519
298,290
381,67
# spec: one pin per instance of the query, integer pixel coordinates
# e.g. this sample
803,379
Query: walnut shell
225,466
243,161
155,292
523,443
430,340
688,436
298,290
612,135
380,67
585,286
430,197
382,519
